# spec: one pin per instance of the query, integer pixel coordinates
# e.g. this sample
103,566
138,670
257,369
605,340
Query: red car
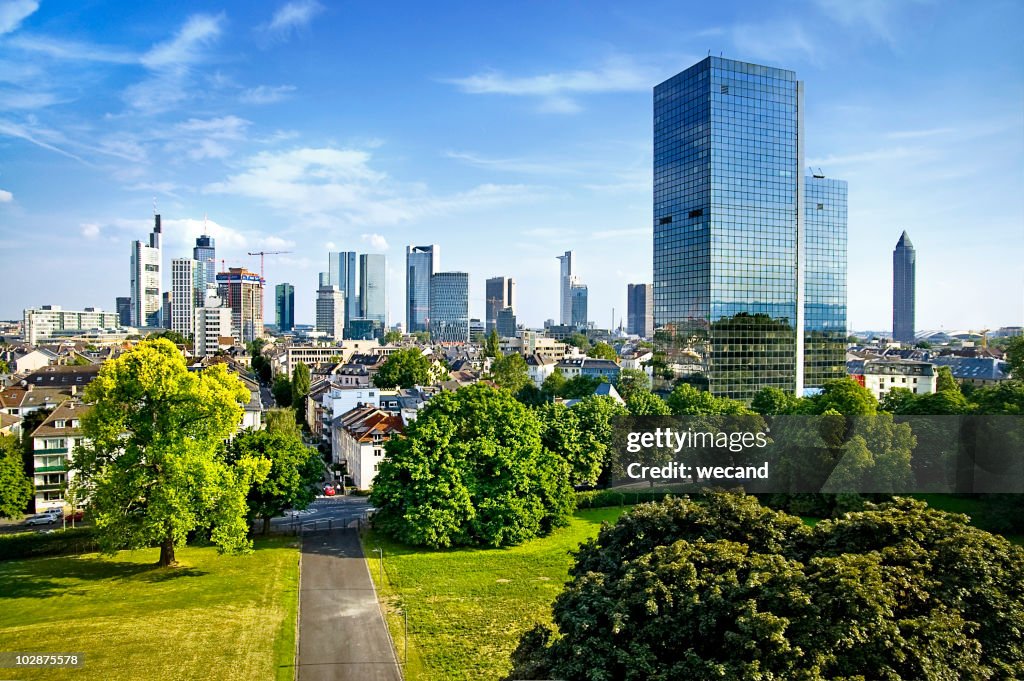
328,490
76,516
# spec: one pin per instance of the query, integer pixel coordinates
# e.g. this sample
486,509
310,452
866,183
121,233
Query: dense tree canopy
771,401
581,435
602,350
404,368
471,470
632,381
729,589
300,388
510,372
15,487
153,464
685,400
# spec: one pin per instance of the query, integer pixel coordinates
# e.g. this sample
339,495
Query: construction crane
263,253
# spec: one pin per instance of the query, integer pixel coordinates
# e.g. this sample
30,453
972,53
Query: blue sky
505,135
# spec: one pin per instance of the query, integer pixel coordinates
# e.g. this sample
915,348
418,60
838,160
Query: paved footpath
342,634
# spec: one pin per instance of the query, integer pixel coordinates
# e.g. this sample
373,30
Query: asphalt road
342,635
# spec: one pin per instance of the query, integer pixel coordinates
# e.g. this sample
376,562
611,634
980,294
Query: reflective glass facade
284,307
420,263
824,280
728,223
449,307
373,287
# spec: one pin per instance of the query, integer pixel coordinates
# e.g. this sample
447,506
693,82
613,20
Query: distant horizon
507,138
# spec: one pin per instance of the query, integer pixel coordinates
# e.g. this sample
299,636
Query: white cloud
292,16
40,137
6,196
915,134
875,15
266,94
778,42
512,165
11,100
337,186
876,156
90,230
376,241
331,246
70,50
13,12
617,75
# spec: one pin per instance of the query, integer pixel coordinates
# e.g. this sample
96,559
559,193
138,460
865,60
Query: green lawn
214,617
468,607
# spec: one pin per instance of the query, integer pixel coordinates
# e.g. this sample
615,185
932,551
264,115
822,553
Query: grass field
468,607
214,617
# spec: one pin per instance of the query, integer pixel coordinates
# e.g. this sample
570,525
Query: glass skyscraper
284,307
420,263
205,252
824,280
449,307
729,224
904,264
343,270
373,287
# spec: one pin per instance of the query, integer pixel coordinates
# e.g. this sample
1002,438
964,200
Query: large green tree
294,469
646,404
471,470
686,400
728,589
771,401
300,388
510,372
1015,357
153,465
602,350
632,381
492,345
404,368
15,486
282,391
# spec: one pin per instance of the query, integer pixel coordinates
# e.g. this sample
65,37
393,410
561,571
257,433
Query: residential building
358,438
880,376
729,224
539,367
640,310
343,270
205,252
373,292
188,288
506,322
904,264
330,312
421,262
501,294
242,291
572,367
284,307
449,307
46,321
578,313
530,343
567,278
145,280
53,446
123,305
824,280
976,371
212,330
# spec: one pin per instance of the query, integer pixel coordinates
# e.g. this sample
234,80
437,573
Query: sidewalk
342,634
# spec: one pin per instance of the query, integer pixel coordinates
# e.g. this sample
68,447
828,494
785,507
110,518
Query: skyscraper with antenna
145,278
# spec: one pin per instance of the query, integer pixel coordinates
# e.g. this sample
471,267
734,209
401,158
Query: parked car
43,519
328,490
75,516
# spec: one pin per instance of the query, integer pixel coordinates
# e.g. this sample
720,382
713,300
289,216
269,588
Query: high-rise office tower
242,291
639,310
501,293
165,310
284,307
420,264
205,251
330,312
188,290
449,307
578,306
212,323
147,302
729,223
124,310
324,280
343,269
824,274
904,262
506,323
373,292
567,278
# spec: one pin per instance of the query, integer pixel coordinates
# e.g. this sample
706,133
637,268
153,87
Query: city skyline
256,117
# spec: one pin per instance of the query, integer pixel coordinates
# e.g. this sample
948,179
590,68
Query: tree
152,464
897,400
578,387
1015,357
632,381
1005,398
4,367
282,391
492,345
578,340
391,337
403,369
771,401
729,589
845,396
172,336
942,403
294,470
471,470
602,350
554,384
685,400
300,388
923,345
282,421
581,435
647,404
510,372
944,381
15,487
